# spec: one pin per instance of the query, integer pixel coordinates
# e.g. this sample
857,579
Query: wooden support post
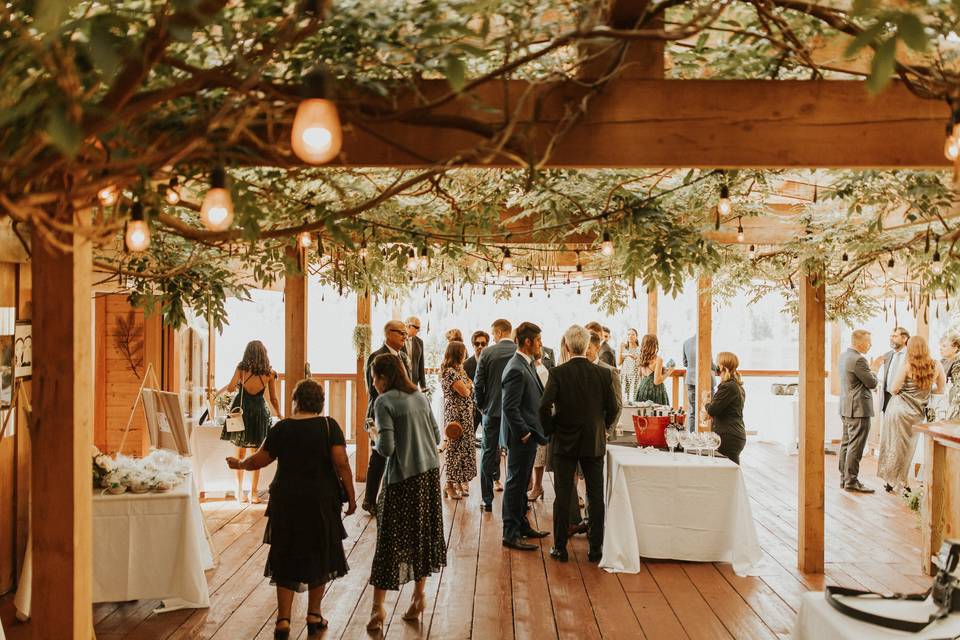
704,341
62,434
835,329
361,397
652,304
810,477
295,322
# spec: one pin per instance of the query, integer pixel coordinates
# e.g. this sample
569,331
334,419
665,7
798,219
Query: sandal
281,634
255,498
313,628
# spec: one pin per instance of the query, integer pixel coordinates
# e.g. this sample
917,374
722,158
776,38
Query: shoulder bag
234,422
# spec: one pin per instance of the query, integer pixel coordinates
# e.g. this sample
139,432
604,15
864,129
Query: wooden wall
8,458
116,384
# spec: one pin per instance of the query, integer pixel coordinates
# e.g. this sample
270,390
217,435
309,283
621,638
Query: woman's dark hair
308,396
455,355
389,367
255,359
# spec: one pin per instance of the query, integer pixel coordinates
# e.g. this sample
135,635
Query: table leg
934,459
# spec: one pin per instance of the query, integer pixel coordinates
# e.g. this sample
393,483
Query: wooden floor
490,592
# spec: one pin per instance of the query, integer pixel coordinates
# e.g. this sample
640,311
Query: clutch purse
234,420
453,431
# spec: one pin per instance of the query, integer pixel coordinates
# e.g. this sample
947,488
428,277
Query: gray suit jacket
856,383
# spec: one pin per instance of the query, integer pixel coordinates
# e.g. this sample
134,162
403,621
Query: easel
18,398
151,375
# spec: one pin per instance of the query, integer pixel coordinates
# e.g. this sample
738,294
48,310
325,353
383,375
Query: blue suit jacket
521,403
486,384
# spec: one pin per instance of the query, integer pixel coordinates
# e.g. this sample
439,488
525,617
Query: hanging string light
951,145
723,204
937,266
507,260
363,249
752,252
316,136
739,230
845,257
108,196
424,257
890,262
216,211
412,260
137,237
172,196
606,246
304,239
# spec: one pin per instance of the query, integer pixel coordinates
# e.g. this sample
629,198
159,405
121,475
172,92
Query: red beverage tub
649,429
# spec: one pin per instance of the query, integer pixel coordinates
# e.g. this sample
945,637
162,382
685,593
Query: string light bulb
172,196
890,263
424,257
723,205
739,230
606,247
363,249
753,252
951,146
216,211
937,266
108,196
578,274
845,257
411,260
304,240
316,136
507,260
137,237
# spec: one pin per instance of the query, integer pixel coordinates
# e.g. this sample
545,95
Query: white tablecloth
783,425
145,546
680,508
212,475
817,620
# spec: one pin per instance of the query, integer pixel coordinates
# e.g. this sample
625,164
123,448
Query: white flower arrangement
160,470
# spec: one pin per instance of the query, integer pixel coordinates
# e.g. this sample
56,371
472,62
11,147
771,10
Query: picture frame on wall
23,350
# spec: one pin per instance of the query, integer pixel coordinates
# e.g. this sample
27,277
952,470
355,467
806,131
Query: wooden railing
679,400
340,392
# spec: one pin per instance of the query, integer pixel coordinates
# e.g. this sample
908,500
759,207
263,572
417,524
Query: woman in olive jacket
725,410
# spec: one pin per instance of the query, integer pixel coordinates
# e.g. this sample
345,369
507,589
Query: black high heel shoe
281,634
313,628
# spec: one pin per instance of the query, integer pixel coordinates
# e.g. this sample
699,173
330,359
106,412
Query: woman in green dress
253,379
651,372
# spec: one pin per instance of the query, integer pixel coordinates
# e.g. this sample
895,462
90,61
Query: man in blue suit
520,433
487,396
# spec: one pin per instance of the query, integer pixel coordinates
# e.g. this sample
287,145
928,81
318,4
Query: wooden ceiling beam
680,124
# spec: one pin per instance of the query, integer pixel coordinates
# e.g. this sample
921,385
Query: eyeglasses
400,331
479,344
415,326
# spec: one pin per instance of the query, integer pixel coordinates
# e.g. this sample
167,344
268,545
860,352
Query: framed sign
23,350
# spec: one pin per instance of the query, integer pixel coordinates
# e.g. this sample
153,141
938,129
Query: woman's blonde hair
922,366
648,349
730,362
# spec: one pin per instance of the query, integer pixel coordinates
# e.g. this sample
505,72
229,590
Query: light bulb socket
845,257
890,263
218,178
174,182
506,252
936,255
136,211
606,236
317,84
724,191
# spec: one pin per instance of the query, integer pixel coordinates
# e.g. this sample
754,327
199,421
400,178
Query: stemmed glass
713,443
673,437
696,443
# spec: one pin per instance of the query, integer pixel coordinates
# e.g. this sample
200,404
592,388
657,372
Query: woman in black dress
305,530
253,379
725,410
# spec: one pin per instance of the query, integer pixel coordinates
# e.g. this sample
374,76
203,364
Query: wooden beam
652,304
704,341
363,442
679,124
295,336
810,476
835,329
62,434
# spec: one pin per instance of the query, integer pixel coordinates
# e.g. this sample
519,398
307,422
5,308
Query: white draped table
145,546
676,507
817,620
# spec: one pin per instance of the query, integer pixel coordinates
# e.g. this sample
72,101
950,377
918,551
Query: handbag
341,490
234,422
453,430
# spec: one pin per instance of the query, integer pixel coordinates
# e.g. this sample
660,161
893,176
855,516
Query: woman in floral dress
460,455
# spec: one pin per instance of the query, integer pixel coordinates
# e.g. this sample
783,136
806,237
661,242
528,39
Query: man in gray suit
690,364
857,380
488,395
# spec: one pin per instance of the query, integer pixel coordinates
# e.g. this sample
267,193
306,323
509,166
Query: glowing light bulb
216,211
723,205
951,148
937,266
578,275
411,260
606,247
137,237
739,232
108,196
753,252
316,137
507,260
173,191
305,240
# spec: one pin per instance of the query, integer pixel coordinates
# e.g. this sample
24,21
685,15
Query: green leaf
64,134
102,48
456,72
912,33
49,14
864,38
882,65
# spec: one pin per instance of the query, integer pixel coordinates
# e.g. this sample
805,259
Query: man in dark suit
520,433
577,406
479,340
607,354
892,361
414,349
549,360
487,394
394,337
857,381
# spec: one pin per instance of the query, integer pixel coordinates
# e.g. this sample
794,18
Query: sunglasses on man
479,344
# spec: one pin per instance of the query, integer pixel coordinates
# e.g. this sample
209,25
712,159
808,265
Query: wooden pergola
656,123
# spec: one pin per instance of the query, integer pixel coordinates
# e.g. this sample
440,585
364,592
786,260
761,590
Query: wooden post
835,329
704,341
361,397
933,500
62,434
810,478
652,303
295,323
